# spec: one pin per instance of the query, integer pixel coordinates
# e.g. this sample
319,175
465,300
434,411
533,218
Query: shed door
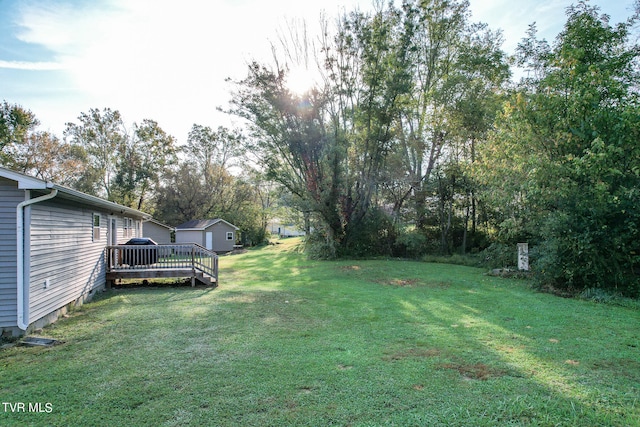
209,239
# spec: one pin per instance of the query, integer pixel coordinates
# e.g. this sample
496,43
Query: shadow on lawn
406,334
520,347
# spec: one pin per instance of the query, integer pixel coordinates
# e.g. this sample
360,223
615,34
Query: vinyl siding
219,230
157,233
220,242
64,252
10,197
190,236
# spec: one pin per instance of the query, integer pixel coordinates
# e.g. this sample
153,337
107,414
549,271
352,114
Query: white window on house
128,227
96,227
229,235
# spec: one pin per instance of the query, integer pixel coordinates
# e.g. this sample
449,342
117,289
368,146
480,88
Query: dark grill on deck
149,261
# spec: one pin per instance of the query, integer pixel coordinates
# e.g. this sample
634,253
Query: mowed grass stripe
289,341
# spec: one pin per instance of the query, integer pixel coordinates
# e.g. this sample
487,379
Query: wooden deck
151,262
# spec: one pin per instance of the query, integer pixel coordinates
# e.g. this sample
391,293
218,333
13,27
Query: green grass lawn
288,341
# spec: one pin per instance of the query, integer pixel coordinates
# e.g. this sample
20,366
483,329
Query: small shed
216,235
157,231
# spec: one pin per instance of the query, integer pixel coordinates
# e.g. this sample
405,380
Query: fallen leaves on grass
412,283
400,282
411,353
476,371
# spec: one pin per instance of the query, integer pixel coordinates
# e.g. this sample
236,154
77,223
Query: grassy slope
287,341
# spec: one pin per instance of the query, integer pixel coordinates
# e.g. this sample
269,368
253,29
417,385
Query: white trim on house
26,182
151,220
52,221
208,225
23,294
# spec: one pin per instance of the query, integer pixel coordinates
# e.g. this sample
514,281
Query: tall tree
437,28
329,145
101,135
290,134
144,159
567,149
15,125
371,75
206,147
44,156
475,90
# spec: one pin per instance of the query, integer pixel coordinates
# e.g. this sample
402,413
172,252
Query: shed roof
160,224
26,182
201,224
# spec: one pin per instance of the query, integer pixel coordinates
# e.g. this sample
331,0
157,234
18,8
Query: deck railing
123,258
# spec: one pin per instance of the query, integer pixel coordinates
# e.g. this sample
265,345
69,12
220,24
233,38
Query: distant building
157,231
277,227
216,235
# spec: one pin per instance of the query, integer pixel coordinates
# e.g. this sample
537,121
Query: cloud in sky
32,66
163,60
167,60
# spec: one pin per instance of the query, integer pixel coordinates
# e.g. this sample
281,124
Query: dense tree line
406,92
562,168
415,141
139,166
412,141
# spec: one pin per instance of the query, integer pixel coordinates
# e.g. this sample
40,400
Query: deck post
190,260
193,271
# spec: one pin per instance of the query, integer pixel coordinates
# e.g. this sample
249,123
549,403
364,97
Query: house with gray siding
215,235
52,244
157,231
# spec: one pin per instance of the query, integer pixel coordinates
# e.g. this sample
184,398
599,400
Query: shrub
372,236
590,248
500,255
410,244
319,246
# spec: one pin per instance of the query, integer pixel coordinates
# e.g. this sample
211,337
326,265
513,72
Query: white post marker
523,256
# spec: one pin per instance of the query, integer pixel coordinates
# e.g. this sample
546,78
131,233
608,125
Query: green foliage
144,159
592,244
102,136
410,244
566,154
206,147
319,245
500,255
15,125
603,296
372,236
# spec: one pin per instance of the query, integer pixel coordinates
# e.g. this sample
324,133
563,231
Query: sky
168,61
